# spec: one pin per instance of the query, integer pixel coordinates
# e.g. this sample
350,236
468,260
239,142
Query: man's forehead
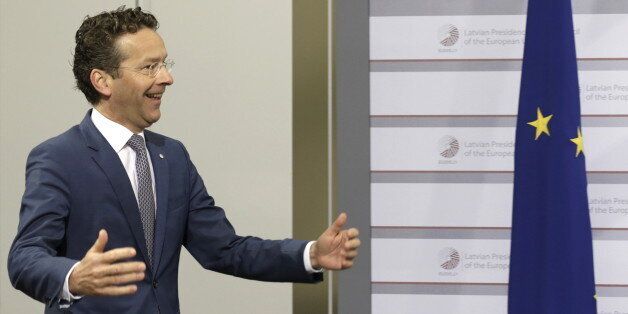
143,45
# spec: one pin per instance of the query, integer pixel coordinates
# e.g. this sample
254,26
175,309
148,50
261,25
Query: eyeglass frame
157,66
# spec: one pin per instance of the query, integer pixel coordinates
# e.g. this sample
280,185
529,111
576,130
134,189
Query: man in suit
108,204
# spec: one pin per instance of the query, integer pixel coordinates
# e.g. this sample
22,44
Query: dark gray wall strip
607,178
480,121
387,288
446,7
480,177
441,177
484,289
439,233
442,121
602,65
473,233
483,65
604,121
612,291
351,102
445,66
610,235
483,7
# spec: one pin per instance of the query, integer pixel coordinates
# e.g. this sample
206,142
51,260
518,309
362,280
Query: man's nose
164,77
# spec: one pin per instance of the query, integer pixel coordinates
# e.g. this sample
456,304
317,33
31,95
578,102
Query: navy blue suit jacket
76,185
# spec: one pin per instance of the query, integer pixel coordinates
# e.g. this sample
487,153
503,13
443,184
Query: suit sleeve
34,263
212,240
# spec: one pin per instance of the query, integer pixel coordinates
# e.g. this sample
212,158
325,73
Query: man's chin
153,117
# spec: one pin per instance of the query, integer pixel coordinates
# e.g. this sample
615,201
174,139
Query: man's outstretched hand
105,273
336,248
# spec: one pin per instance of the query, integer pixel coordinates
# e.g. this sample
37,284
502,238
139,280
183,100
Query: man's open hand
336,248
103,273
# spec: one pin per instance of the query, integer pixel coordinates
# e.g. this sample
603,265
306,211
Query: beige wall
231,105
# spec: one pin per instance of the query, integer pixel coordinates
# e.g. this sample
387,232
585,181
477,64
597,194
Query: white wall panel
468,304
477,205
441,204
420,260
480,149
485,36
484,93
476,261
438,304
37,101
237,125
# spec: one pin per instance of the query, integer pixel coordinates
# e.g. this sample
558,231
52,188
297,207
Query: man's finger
339,223
124,268
114,255
352,244
123,279
352,233
347,264
350,255
101,241
117,290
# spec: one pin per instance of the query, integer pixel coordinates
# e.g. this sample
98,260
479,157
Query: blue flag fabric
551,268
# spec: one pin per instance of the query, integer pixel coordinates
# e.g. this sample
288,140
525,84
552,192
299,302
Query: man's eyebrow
155,59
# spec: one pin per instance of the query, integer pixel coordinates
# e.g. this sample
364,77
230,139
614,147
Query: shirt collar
116,134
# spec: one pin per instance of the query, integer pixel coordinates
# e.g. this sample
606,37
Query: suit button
155,284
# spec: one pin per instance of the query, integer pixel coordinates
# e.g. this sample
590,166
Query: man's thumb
339,223
99,245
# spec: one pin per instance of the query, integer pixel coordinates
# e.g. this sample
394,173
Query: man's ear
101,81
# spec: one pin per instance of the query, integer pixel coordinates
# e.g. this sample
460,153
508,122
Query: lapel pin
161,156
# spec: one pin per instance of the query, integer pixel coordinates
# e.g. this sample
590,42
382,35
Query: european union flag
551,268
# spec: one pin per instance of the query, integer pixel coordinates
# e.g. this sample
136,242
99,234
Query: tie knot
136,142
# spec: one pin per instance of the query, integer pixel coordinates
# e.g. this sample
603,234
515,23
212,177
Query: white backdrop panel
441,204
468,304
479,149
477,205
478,261
484,93
485,36
437,304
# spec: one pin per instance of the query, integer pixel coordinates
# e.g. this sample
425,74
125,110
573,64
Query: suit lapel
160,169
109,163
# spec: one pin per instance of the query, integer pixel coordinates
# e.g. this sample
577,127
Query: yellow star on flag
540,123
579,141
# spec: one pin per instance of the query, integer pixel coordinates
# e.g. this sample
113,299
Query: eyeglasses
153,69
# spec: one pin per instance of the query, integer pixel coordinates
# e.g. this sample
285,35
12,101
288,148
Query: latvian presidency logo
448,146
448,258
448,35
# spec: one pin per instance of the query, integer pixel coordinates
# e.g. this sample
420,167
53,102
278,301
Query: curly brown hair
96,44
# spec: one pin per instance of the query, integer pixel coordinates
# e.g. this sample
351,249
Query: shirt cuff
306,260
66,298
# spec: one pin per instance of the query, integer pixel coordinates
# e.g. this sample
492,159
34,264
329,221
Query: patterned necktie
145,198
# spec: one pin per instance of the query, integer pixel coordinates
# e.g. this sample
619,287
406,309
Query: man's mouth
154,96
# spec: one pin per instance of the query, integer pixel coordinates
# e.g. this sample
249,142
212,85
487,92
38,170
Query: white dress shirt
117,136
